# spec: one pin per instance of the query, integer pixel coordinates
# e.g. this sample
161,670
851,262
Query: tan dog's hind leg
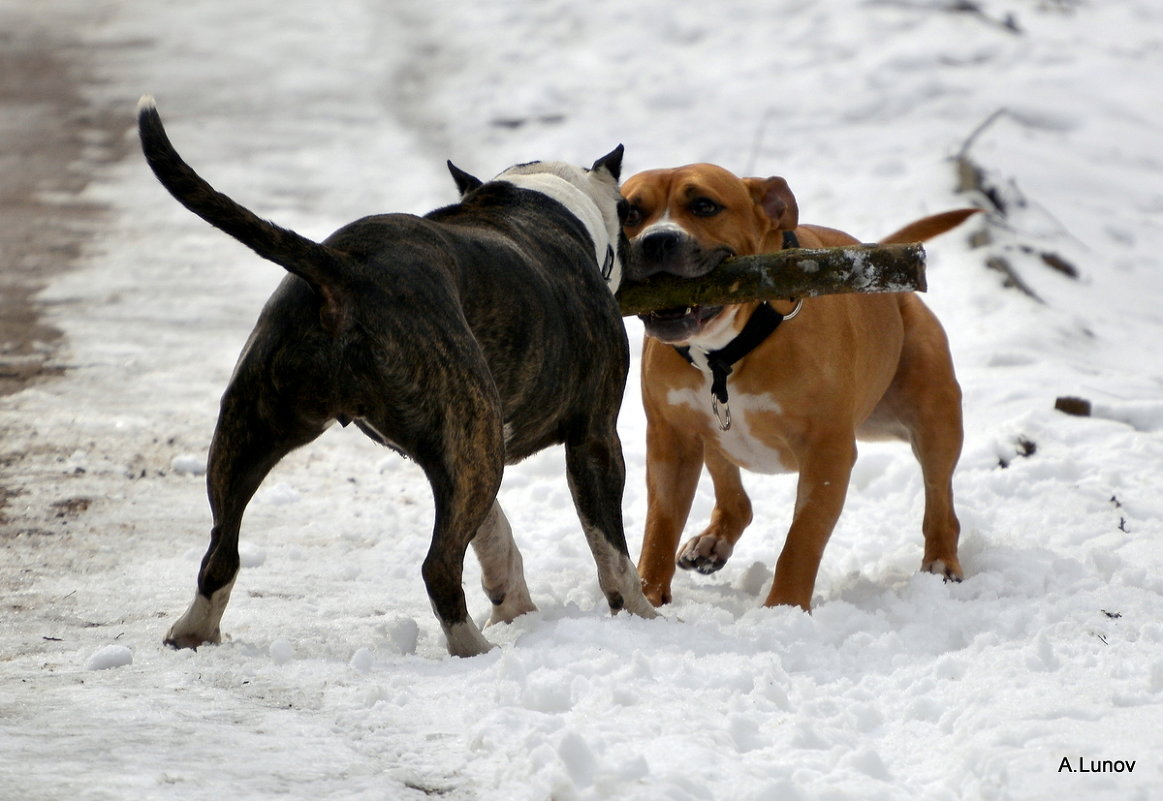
923,405
928,385
936,439
941,527
710,550
825,469
673,465
502,571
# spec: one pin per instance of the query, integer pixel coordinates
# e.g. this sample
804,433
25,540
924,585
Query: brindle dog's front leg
502,572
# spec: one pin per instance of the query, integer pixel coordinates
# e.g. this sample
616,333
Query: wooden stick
783,274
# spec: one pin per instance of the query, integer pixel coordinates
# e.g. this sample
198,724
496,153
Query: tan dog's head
686,221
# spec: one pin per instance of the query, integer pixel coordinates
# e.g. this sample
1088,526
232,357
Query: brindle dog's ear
623,210
774,196
612,161
465,183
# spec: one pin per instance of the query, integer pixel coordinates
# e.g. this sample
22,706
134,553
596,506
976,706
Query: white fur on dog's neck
560,182
717,334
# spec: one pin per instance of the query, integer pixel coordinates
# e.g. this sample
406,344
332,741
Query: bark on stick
790,273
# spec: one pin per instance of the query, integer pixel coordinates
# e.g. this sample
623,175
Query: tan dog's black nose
658,247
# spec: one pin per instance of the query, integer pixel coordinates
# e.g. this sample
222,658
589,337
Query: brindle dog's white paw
636,604
179,641
465,639
514,605
705,553
199,625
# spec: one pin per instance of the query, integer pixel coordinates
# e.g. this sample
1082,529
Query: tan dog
873,366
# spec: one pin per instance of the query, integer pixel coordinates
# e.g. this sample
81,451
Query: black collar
763,322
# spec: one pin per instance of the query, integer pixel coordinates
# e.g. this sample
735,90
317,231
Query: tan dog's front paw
950,569
705,553
658,594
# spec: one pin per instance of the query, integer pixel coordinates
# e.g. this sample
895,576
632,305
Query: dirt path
51,140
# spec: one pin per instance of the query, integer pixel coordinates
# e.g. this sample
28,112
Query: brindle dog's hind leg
246,445
464,488
597,476
444,412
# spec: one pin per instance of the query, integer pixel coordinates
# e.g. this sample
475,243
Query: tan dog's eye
633,217
704,207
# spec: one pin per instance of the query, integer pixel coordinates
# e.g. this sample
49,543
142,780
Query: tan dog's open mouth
679,324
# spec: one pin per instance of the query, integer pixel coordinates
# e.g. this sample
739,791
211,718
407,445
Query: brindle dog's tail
320,266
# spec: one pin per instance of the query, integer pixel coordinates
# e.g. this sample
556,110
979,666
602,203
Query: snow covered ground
335,683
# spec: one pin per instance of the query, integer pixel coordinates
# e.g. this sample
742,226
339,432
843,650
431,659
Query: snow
110,656
333,680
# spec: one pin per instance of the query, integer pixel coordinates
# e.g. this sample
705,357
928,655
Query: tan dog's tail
928,227
323,268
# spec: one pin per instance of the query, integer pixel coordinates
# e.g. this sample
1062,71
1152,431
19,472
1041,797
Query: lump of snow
402,633
111,656
1040,656
1145,415
549,692
578,759
362,660
745,732
282,651
755,579
869,762
251,555
77,463
189,464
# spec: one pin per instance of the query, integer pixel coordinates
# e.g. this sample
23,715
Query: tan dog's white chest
749,442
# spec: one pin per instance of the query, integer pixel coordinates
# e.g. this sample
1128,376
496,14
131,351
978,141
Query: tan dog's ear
774,196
